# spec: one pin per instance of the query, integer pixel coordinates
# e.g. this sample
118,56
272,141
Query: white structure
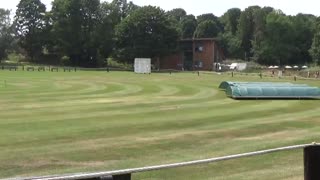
142,65
238,66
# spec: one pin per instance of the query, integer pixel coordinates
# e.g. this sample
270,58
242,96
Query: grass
52,123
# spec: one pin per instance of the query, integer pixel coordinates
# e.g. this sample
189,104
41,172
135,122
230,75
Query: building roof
200,39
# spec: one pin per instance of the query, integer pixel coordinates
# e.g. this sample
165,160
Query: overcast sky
217,7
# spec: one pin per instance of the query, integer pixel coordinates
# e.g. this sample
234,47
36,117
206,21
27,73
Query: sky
217,7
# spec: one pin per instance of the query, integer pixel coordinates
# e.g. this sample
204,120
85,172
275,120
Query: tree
229,40
231,45
75,28
84,30
177,14
5,33
230,20
147,32
303,26
120,9
90,37
29,25
105,30
207,29
315,47
113,13
188,26
246,30
259,29
210,17
278,46
281,39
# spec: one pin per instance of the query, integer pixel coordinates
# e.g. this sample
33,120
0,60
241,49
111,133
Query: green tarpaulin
269,90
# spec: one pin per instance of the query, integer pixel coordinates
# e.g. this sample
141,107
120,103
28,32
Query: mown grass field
52,123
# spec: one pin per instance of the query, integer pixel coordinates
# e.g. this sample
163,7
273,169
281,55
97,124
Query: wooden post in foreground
99,178
122,177
114,177
312,162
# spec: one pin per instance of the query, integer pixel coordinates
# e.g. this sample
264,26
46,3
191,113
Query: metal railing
311,165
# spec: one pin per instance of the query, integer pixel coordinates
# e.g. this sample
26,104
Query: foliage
229,40
231,45
65,60
207,29
118,64
29,23
277,47
230,20
210,17
90,31
105,29
120,9
16,58
303,33
177,14
315,48
6,37
75,25
147,32
286,40
246,30
188,26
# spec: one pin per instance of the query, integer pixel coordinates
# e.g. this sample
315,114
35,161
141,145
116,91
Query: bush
65,61
116,64
16,58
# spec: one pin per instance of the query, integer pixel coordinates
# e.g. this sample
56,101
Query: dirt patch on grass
37,163
165,108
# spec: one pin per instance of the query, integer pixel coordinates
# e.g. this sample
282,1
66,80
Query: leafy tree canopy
5,33
29,25
207,29
147,32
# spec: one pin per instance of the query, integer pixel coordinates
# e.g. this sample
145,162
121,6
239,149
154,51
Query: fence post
122,177
99,178
312,162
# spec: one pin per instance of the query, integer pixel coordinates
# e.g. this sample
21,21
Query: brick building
194,54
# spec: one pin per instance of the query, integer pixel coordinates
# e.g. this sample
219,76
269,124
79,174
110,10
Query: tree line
88,32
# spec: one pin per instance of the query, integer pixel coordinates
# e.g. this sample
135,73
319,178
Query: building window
199,49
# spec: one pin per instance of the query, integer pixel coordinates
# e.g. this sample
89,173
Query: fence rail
311,154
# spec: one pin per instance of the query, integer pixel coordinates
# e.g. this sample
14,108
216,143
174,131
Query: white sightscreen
142,65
